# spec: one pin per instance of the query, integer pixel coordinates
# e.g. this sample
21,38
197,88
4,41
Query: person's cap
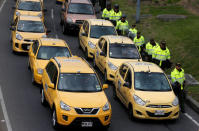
178,64
116,6
152,39
124,16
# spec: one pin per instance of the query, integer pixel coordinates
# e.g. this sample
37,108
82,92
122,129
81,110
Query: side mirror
126,84
48,31
63,9
105,86
44,10
12,24
84,34
12,28
102,53
51,85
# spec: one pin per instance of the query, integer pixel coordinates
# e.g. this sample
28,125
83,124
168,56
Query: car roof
80,1
100,22
52,42
145,67
29,17
73,64
118,39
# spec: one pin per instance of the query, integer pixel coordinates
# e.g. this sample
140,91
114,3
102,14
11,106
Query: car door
99,50
103,58
32,54
84,35
120,80
14,25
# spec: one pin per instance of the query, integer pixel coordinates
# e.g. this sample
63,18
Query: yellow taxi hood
29,35
118,62
152,97
32,13
93,40
41,63
83,100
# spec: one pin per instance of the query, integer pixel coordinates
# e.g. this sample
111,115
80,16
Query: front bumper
21,46
71,118
143,112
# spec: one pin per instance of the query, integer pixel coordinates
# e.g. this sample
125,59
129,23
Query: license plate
28,47
87,124
159,112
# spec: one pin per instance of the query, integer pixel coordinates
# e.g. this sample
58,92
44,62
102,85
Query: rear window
77,8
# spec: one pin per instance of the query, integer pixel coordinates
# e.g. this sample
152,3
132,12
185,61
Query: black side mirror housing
12,28
102,54
84,34
126,84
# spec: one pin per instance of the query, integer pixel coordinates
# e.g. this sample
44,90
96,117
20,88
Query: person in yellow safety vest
162,56
178,82
122,26
115,15
150,48
139,42
132,31
107,11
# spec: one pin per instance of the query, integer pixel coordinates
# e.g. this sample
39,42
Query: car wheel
130,113
105,128
79,46
105,76
33,78
43,98
64,29
28,65
114,94
86,53
94,64
54,119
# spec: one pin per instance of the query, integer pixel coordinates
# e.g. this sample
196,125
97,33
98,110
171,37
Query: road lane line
5,111
191,118
52,14
2,5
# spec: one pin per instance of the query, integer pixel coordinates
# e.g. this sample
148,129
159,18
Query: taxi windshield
47,52
30,26
79,82
98,31
29,6
123,51
77,8
146,81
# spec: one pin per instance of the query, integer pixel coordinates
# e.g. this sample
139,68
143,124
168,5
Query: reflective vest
133,31
161,55
123,26
177,76
139,42
150,49
106,13
115,16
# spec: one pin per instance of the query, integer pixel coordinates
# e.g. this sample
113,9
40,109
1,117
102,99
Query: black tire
79,46
86,54
106,128
54,119
43,98
105,76
114,93
64,28
130,113
28,65
94,64
33,79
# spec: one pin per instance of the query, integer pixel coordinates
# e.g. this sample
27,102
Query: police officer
162,56
132,31
115,15
122,26
178,82
150,48
107,11
139,42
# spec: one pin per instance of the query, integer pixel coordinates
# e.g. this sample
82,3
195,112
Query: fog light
106,118
65,117
139,113
17,45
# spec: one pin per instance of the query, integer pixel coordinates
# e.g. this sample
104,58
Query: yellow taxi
29,7
74,93
41,51
111,51
25,30
145,91
91,31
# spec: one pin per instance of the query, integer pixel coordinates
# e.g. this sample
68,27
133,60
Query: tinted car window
29,6
98,31
77,8
30,26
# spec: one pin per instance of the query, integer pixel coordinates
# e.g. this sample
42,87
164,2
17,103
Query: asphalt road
22,99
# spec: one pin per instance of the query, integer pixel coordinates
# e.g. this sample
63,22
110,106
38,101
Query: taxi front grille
87,111
150,114
79,120
159,106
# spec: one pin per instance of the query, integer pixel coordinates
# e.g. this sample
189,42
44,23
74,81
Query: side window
123,70
35,46
128,77
105,48
85,25
101,42
54,75
48,67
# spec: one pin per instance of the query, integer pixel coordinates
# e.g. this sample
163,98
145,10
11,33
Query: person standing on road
122,26
162,56
107,11
132,31
178,82
139,42
115,15
150,48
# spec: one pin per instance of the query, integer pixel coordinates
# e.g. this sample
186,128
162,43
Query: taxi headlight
175,102
91,45
64,106
69,20
111,66
40,71
40,15
138,100
17,13
44,36
106,107
18,36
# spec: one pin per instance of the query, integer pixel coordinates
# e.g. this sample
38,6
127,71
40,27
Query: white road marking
52,14
5,111
191,118
2,5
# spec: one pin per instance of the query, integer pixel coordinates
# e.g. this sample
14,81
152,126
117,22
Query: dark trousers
180,94
148,57
165,64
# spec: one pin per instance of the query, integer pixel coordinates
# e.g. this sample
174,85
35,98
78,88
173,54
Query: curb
192,103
